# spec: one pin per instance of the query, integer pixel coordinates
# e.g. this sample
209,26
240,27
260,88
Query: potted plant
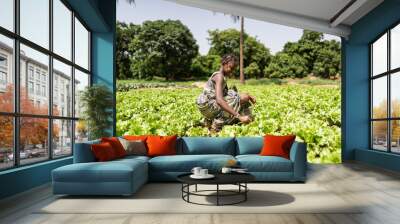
96,102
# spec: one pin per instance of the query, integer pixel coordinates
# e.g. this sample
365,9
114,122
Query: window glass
395,95
6,74
379,97
7,14
39,62
34,21
379,135
6,142
395,138
81,82
62,91
81,131
62,138
379,56
62,29
395,47
33,140
81,45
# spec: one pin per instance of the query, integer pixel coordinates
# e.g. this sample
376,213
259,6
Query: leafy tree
285,65
162,48
34,131
125,33
253,71
205,65
322,57
228,42
327,61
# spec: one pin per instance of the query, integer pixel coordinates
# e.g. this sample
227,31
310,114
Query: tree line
167,48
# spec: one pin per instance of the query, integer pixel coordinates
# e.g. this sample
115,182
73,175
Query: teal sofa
125,176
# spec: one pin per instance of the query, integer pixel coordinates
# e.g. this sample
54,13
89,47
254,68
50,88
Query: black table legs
219,194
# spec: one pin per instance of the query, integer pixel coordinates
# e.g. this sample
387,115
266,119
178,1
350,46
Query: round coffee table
238,179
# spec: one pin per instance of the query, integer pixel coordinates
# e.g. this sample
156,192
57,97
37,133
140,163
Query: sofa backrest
206,145
249,145
83,152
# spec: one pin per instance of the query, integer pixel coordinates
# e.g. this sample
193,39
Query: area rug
166,198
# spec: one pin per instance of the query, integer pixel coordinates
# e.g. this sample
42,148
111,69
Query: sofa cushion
161,145
207,145
185,163
116,145
112,171
134,147
249,145
257,163
103,152
277,145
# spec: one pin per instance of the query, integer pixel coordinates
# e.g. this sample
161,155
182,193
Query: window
44,91
30,88
3,78
385,94
33,147
6,73
38,89
62,29
35,21
7,14
62,140
81,45
50,80
38,75
7,142
3,61
62,74
81,82
30,72
3,72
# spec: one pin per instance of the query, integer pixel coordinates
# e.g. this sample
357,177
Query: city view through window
41,77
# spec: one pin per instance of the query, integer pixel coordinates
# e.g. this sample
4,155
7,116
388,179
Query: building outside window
3,72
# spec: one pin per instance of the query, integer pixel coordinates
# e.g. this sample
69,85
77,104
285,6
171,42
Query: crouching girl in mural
223,106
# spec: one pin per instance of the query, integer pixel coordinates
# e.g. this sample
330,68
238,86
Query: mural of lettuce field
161,71
312,112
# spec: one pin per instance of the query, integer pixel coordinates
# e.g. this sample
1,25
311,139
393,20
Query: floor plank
377,190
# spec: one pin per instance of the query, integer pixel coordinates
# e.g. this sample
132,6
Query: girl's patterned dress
214,116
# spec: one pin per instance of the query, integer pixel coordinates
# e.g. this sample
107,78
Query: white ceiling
318,15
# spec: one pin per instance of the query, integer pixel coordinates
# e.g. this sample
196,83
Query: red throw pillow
103,151
116,145
135,137
277,145
161,145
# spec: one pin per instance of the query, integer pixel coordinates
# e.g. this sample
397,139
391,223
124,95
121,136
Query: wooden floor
378,189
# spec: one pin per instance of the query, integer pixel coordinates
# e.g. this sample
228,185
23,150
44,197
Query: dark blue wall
355,86
100,16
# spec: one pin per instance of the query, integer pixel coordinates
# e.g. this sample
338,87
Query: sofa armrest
298,155
83,152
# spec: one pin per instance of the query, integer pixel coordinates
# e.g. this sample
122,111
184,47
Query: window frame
16,114
388,74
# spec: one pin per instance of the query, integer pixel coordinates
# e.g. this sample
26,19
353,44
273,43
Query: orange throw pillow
277,145
103,152
161,145
116,145
136,137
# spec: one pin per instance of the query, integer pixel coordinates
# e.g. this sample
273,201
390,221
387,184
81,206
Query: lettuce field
310,112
